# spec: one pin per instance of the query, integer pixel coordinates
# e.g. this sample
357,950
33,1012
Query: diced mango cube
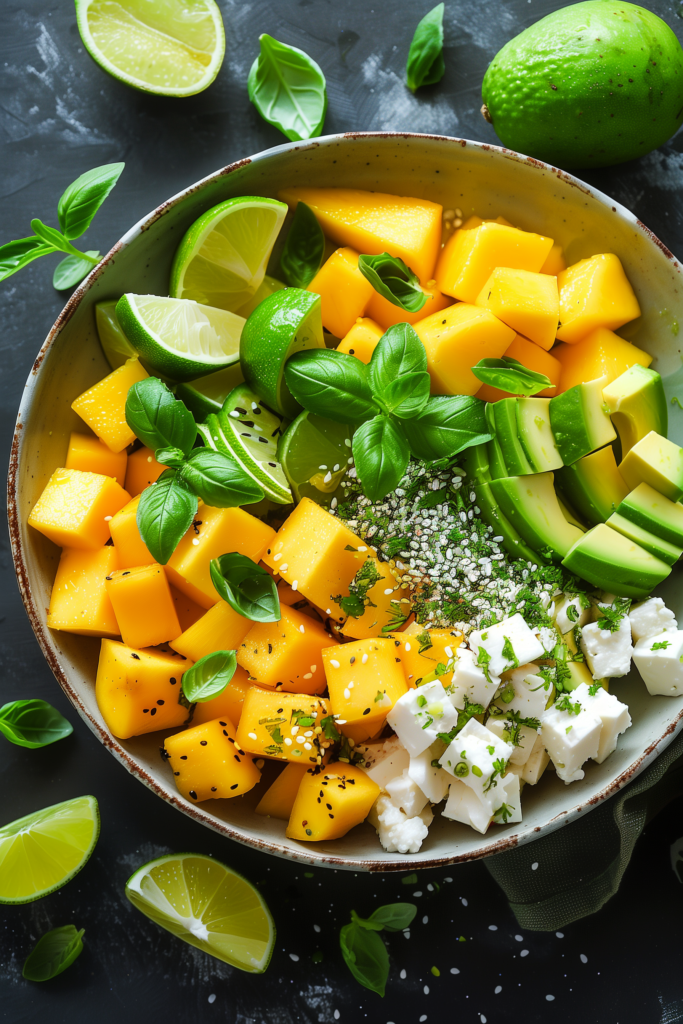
534,358
594,293
278,800
103,406
361,340
555,262
90,455
79,602
364,680
456,339
219,629
384,609
600,354
529,303
386,314
124,531
283,726
143,605
344,292
469,257
228,703
208,764
187,610
143,470
138,691
330,802
286,654
75,508
421,653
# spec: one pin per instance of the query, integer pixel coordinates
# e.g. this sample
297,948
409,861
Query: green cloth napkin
580,866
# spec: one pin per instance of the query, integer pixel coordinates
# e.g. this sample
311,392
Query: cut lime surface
44,850
115,344
168,47
246,429
222,258
267,287
315,454
205,903
286,322
207,394
178,338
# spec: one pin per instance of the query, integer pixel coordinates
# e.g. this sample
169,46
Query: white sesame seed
534,866
108,518
322,467
389,590
519,938
295,584
335,468
493,927
195,541
351,685
334,663
314,668
288,742
498,989
364,659
524,952
583,958
317,928
425,919
426,990
253,736
301,628
550,999
407,647
294,957
276,558
418,893
347,694
337,1014
308,675
284,567
235,415
307,746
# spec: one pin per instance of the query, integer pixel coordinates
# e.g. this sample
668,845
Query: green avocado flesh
531,506
580,421
615,563
647,508
637,405
593,486
668,552
592,84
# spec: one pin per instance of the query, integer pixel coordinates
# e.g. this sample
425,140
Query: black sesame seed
330,815
367,711
193,794
223,723
202,743
214,788
270,648
329,806
153,711
161,703
309,832
145,711
173,680
136,656
235,785
176,773
236,758
351,660
183,757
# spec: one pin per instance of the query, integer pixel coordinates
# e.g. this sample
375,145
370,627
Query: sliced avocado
207,394
593,486
505,421
531,505
476,463
569,514
637,405
491,513
578,670
649,509
656,461
533,425
580,420
614,563
496,458
664,549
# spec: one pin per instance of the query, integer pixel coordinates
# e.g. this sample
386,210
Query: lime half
115,344
315,454
267,287
207,394
168,47
222,258
205,903
44,850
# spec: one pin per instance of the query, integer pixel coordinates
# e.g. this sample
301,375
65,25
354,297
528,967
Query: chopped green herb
565,704
661,645
509,653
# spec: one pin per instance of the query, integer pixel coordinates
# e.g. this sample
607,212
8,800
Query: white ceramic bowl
458,173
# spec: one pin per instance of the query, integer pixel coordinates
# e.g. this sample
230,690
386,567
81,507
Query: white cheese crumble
506,644
650,618
420,714
659,659
570,736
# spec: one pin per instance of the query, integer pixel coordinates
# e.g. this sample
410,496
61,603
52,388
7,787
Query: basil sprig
247,588
304,249
364,951
288,89
394,280
511,375
33,723
209,676
425,58
53,953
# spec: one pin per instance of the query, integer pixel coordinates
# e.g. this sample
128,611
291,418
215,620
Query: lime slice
315,454
284,323
44,850
115,344
267,287
246,429
178,338
168,47
207,394
207,904
222,258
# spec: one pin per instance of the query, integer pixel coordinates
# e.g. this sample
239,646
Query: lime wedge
246,429
267,287
286,322
222,258
115,344
178,338
44,850
168,47
207,394
207,904
315,454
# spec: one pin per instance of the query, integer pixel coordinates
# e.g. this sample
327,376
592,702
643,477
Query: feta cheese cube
469,681
507,644
397,832
607,653
659,659
536,764
477,756
570,737
406,794
521,736
548,637
612,713
571,610
464,805
419,715
432,781
512,794
524,691
384,760
651,617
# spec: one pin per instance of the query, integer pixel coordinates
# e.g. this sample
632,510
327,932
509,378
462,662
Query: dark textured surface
61,115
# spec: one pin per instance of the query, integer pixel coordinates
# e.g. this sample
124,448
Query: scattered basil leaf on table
209,676
381,455
72,269
33,723
247,588
53,953
331,384
304,248
84,196
158,418
18,254
511,375
425,64
447,425
288,89
220,481
393,917
364,951
165,514
395,281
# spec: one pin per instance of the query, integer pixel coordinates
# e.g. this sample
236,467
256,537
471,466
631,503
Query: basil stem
304,248
425,64
247,588
288,89
395,281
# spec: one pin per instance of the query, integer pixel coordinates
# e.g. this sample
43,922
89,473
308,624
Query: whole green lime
593,84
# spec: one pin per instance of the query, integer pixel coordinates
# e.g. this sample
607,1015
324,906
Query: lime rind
115,345
315,454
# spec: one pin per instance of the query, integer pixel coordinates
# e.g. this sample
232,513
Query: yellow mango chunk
215,532
79,602
75,509
187,611
456,339
330,802
364,681
386,314
344,292
283,726
219,629
124,531
286,654
420,653
143,470
229,703
384,609
374,222
91,456
555,262
278,800
594,293
361,339
534,358
602,353
527,302
469,258
103,406
208,764
137,691
143,605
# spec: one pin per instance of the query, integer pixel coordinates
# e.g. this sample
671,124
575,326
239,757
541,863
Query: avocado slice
656,461
663,549
637,405
505,421
649,509
593,486
492,514
476,463
614,563
535,433
495,454
531,505
580,420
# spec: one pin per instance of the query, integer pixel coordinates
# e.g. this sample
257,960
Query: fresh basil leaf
84,196
53,953
53,237
165,514
220,480
158,418
511,375
72,269
209,676
398,351
447,425
407,395
394,917
365,956
381,454
246,587
172,457
331,384
33,723
21,252
288,89
390,276
304,249
425,58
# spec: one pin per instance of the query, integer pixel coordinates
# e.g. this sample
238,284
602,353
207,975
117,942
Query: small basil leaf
84,196
398,351
18,254
304,248
394,917
425,58
407,395
246,587
220,480
53,237
159,419
209,676
170,457
72,269
390,276
381,454
511,375
165,514
331,384
365,956
33,723
288,89
53,953
447,425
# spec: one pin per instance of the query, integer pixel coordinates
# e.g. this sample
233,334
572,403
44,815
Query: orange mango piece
283,726
79,602
278,800
534,358
344,292
361,339
364,680
143,470
137,691
456,339
555,262
330,802
124,531
469,257
420,653
286,654
208,764
75,508
90,455
594,293
228,704
143,605
383,610
187,610
529,303
386,314
220,628
103,406
601,354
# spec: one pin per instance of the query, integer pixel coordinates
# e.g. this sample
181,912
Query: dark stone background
61,115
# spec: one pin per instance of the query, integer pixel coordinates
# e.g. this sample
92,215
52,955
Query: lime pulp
115,344
315,454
